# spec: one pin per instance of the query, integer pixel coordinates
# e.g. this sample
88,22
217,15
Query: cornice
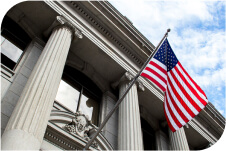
128,24
202,131
106,32
216,131
64,10
216,115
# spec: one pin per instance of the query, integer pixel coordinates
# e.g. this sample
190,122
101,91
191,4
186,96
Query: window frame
19,59
83,90
16,35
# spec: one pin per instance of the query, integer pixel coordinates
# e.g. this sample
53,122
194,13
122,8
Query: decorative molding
56,126
213,128
215,113
81,126
200,129
49,134
105,32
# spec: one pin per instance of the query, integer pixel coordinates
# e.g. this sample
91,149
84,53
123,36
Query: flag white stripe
159,63
155,77
179,104
174,110
157,70
186,77
188,90
170,118
182,95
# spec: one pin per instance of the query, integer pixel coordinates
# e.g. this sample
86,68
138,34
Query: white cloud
154,17
197,37
203,56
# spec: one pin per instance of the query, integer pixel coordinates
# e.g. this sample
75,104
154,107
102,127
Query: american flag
184,99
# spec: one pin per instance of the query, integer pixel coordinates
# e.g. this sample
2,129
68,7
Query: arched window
78,93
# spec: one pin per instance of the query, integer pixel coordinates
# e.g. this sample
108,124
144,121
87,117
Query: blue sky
197,37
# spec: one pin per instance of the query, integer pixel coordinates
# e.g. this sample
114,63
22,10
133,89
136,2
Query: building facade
65,64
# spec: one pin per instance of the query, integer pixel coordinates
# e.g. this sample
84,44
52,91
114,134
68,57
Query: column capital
59,22
125,79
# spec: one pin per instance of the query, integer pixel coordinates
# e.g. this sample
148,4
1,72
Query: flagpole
124,94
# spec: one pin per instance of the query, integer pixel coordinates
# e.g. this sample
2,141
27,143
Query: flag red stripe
185,92
158,67
172,114
154,81
182,115
191,88
184,99
180,99
200,90
156,73
169,123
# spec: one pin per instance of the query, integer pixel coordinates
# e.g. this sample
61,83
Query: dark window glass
148,135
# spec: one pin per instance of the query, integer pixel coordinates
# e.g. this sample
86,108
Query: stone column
27,124
178,140
129,133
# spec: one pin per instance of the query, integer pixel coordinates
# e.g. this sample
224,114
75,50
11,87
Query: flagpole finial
166,34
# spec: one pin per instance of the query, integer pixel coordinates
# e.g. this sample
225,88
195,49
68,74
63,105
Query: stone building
92,51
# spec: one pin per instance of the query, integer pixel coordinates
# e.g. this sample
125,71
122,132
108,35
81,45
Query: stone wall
110,130
14,85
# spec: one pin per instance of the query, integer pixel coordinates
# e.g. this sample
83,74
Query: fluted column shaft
129,134
28,122
178,140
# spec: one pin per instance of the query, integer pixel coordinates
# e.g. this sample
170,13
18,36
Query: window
78,93
148,135
10,54
14,40
76,100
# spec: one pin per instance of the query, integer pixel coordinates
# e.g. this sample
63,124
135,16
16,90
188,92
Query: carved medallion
81,126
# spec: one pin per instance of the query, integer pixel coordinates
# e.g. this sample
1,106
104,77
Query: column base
19,140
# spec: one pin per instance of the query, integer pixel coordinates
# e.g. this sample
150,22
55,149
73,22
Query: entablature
104,19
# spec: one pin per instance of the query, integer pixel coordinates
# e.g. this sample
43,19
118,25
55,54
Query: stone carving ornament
81,126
